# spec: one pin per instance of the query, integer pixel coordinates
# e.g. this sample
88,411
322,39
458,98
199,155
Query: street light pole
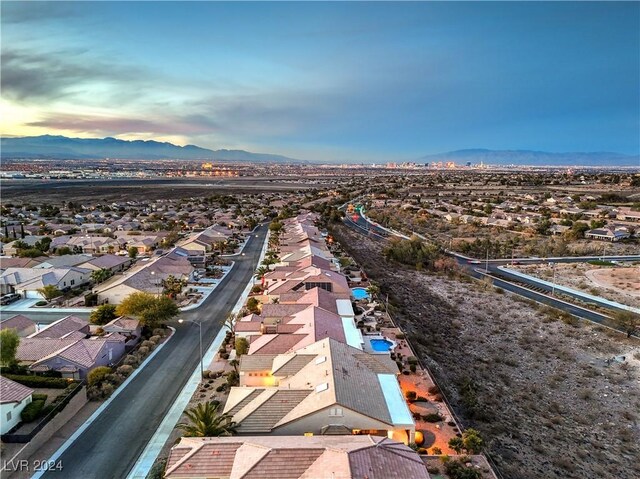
199,323
486,267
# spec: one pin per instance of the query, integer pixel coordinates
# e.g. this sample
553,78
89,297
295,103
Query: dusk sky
327,81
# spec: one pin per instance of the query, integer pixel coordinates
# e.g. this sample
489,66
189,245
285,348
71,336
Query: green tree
30,253
373,290
103,314
205,421
43,244
472,441
242,346
148,308
49,292
63,251
627,321
100,275
133,252
9,341
456,444
253,305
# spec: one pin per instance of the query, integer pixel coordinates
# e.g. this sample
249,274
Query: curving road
110,446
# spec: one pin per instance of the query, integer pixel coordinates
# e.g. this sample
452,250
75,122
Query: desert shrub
41,303
413,368
32,411
150,345
130,360
221,388
436,451
458,470
400,336
125,370
142,351
155,339
206,373
98,374
412,360
433,389
38,381
159,332
405,372
433,417
410,395
400,366
421,398
224,355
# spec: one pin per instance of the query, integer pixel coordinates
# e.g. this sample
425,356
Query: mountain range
62,147
533,158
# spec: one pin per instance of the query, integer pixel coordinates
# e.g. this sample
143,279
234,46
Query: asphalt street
476,268
110,446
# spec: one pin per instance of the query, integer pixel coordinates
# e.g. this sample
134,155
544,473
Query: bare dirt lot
620,283
56,191
542,392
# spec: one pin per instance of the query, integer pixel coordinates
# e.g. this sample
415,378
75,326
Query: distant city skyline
327,81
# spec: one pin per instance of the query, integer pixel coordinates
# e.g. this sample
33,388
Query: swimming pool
359,293
381,344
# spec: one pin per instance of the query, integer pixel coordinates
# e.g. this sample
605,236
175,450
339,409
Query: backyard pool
382,345
359,293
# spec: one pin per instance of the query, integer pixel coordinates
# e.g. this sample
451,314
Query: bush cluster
38,381
32,411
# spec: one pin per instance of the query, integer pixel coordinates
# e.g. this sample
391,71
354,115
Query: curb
56,455
152,450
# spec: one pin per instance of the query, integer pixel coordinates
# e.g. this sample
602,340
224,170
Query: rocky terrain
545,393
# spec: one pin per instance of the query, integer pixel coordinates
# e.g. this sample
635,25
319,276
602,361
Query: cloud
111,126
32,77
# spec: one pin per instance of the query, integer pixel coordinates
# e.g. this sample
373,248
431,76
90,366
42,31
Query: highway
110,446
480,268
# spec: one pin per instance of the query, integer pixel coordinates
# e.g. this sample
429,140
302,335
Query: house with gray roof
13,399
23,325
325,388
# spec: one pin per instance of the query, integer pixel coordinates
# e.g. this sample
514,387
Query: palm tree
260,272
373,289
234,363
204,421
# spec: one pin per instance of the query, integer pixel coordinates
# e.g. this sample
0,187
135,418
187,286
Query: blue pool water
381,344
359,293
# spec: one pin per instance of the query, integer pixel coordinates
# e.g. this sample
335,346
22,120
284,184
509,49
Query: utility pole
553,283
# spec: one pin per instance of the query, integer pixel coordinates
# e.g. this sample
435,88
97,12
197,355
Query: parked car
9,298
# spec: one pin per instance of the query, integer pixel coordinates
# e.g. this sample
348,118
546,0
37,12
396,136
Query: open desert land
546,395
620,283
56,191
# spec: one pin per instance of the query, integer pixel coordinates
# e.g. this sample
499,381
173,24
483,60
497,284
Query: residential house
13,399
625,213
69,326
325,388
23,325
148,277
71,356
607,234
110,262
11,249
27,281
293,457
130,328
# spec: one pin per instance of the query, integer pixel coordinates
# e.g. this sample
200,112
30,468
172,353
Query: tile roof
293,457
18,322
11,391
34,349
62,327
